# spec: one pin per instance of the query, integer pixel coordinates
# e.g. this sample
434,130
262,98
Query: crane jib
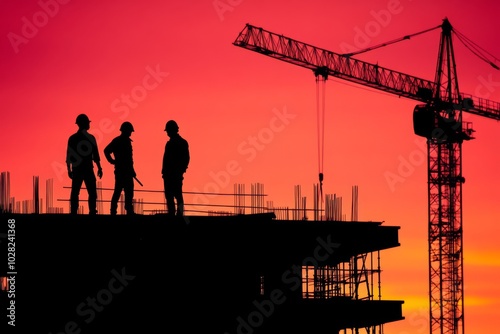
348,68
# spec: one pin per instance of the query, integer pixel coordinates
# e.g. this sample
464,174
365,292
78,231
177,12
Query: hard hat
171,125
82,119
126,126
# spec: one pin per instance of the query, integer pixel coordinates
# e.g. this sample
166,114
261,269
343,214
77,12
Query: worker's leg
76,185
128,188
116,195
177,189
90,184
169,195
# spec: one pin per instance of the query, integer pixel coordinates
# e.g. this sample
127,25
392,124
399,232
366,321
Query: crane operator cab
429,123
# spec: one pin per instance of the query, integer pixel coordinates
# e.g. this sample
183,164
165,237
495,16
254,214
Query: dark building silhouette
192,274
5,201
49,196
36,194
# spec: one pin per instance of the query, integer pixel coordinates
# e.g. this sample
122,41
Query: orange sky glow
252,119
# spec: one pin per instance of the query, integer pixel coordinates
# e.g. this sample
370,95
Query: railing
222,204
152,201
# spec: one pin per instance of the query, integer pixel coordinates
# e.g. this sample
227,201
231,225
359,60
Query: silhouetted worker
81,154
119,153
175,163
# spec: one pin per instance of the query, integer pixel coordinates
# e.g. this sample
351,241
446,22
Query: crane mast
438,118
444,150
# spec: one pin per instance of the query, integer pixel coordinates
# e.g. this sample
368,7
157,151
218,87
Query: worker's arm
99,169
70,173
107,153
68,159
186,156
96,157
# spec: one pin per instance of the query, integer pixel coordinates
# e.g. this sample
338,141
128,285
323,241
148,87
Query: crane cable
406,37
320,108
478,51
469,44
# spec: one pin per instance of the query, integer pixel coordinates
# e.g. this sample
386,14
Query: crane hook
321,184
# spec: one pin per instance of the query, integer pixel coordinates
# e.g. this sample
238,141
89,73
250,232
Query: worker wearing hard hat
175,163
81,154
119,153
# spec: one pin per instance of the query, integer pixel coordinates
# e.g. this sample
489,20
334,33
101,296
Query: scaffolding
358,278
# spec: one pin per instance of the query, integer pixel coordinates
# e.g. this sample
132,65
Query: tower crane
438,118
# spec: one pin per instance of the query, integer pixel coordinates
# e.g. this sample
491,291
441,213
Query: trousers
173,193
80,177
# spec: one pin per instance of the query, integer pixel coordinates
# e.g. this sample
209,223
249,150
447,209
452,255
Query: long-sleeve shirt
176,157
82,151
121,149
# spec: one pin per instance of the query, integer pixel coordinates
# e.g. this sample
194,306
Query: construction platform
216,274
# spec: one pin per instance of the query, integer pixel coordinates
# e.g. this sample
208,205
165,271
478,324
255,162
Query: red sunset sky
249,118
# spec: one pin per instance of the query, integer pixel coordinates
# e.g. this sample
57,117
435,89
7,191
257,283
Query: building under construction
243,273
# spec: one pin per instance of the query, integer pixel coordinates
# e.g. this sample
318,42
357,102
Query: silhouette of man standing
119,153
81,153
175,163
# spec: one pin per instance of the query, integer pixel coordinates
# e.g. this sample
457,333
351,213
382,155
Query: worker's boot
180,210
114,207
